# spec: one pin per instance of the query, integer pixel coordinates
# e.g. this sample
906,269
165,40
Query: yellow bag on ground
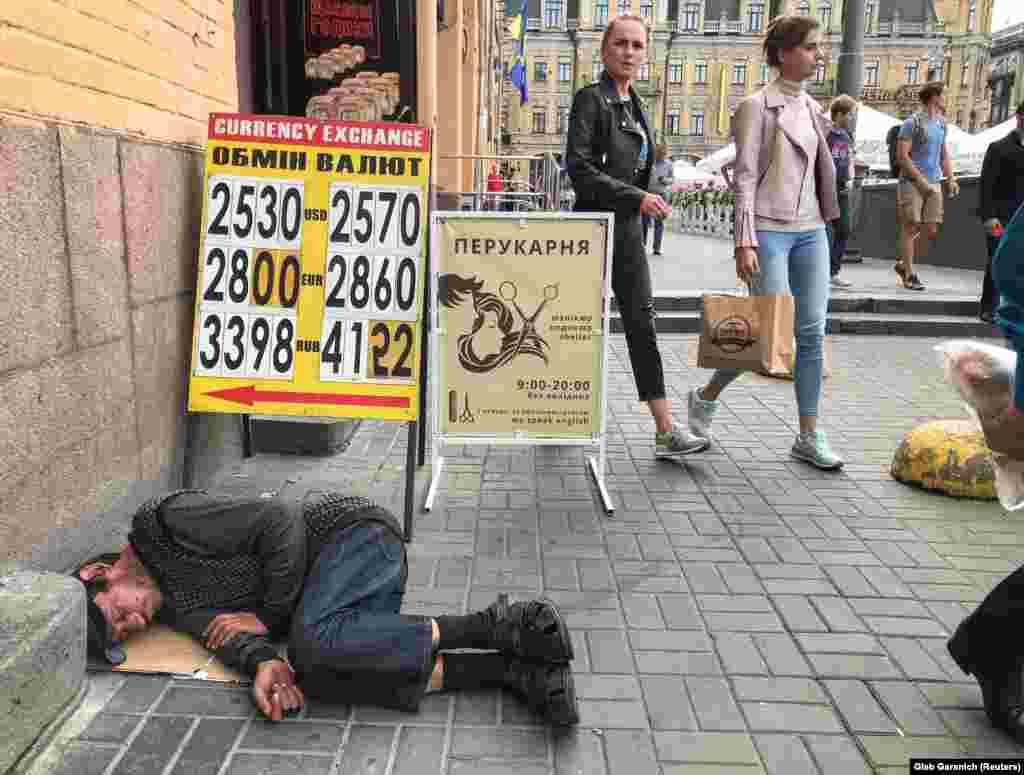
949,456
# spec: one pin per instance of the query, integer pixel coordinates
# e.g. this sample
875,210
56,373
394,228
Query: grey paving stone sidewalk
691,262
739,613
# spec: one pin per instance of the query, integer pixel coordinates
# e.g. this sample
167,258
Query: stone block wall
99,242
152,68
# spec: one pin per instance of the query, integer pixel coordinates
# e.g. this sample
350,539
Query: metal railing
711,220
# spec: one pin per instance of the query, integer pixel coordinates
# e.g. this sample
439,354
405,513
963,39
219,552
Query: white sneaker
701,413
678,442
813,448
839,282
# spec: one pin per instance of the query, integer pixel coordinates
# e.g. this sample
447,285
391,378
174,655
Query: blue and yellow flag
517,31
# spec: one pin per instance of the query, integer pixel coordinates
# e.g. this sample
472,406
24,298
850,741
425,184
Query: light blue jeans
797,263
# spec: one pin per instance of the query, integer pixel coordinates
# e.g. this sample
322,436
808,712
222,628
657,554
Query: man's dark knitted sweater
211,554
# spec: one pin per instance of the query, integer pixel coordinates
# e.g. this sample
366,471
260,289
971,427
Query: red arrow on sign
250,395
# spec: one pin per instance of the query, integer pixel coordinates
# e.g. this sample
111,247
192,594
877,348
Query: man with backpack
923,159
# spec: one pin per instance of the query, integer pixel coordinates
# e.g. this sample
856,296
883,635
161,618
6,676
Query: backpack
919,136
890,140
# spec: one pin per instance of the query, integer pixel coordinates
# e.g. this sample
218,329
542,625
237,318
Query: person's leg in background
647,226
808,267
910,205
659,233
773,255
838,237
989,295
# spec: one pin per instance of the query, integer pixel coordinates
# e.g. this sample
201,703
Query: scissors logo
492,309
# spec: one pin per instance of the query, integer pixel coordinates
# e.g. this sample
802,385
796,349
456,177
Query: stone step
841,302
852,323
42,657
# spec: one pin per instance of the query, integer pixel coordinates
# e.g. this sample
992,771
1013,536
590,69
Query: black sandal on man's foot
534,630
549,690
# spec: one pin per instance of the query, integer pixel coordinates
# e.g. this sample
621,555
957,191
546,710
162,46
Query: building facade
1006,82
706,55
103,121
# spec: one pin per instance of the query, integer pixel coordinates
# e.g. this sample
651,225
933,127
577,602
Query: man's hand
226,626
274,690
747,264
953,187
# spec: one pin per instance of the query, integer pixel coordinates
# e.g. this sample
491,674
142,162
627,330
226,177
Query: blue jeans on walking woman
796,262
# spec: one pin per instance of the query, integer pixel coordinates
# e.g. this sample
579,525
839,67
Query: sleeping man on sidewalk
327,573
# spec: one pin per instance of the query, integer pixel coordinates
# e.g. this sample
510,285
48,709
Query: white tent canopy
998,132
872,126
685,172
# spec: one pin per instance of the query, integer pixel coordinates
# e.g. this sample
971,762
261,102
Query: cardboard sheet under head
161,650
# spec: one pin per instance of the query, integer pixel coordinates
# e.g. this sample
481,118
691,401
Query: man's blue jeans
659,231
797,262
348,643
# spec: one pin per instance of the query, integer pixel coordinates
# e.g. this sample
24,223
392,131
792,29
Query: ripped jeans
796,262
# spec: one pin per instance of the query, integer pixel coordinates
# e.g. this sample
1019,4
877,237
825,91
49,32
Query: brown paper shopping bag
751,333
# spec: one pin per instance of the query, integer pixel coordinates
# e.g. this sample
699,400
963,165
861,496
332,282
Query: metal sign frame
597,441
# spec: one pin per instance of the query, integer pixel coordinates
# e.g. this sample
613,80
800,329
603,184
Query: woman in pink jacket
785,187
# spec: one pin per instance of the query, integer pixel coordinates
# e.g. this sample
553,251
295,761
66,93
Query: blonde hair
626,17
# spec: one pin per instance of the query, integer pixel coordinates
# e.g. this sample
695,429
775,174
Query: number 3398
245,345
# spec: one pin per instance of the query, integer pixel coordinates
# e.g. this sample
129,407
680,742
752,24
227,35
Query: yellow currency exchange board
309,294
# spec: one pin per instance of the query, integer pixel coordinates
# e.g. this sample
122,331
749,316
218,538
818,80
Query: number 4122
354,350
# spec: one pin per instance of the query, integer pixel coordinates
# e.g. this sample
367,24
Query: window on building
697,124
825,15
672,122
691,17
910,72
552,13
675,72
756,16
959,118
764,72
869,17
803,8
645,72
624,7
964,71
700,72
601,13
539,122
646,9
972,16
540,71
563,120
739,74
564,72
871,74
819,72
596,71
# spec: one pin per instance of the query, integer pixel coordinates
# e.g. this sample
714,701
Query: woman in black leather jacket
609,156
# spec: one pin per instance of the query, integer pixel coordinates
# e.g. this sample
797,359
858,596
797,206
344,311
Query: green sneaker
813,448
700,414
678,442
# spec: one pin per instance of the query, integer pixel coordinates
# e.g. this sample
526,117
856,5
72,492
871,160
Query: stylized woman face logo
488,339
